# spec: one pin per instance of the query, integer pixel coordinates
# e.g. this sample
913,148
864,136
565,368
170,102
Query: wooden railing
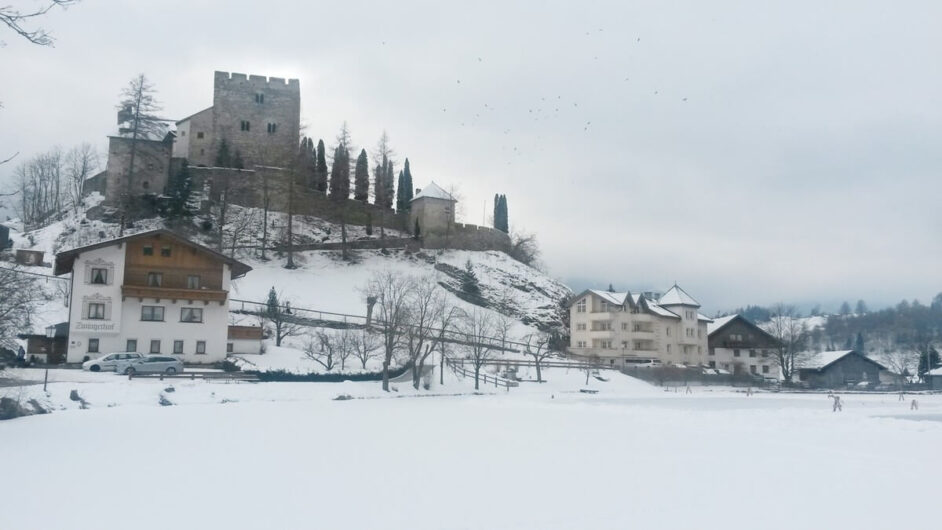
209,295
459,369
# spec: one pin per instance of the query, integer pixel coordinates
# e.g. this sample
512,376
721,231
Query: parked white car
154,364
108,363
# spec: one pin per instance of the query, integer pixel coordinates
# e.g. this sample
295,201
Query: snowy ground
286,456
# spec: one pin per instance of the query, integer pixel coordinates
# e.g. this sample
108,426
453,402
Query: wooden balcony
167,293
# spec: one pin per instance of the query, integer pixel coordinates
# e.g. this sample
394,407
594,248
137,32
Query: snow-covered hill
324,282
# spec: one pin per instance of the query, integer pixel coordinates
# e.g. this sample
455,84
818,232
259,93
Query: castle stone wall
260,102
151,167
468,237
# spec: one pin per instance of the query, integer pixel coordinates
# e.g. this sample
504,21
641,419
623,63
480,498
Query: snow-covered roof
433,191
719,322
155,133
935,371
824,359
677,296
610,297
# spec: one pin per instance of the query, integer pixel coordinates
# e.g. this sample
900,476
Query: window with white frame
201,347
155,346
580,306
92,345
178,346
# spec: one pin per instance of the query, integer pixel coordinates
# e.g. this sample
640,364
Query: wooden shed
833,369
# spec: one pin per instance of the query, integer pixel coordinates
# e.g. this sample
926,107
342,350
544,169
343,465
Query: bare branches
792,335
524,248
16,21
365,346
391,291
326,348
478,328
19,296
538,348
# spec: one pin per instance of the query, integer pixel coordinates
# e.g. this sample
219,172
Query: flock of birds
544,110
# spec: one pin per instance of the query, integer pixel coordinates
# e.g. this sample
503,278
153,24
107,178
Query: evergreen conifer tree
179,189
469,282
272,309
409,190
223,155
379,183
500,213
307,162
320,181
859,344
237,161
361,178
340,174
400,186
390,182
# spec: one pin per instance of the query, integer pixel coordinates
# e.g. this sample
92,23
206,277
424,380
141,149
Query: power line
47,276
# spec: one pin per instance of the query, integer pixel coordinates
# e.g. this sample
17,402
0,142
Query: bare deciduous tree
138,108
426,302
524,248
365,346
478,330
538,348
19,296
16,20
902,363
278,312
391,290
792,335
80,162
328,347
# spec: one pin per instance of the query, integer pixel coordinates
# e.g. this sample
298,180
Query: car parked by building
109,362
154,364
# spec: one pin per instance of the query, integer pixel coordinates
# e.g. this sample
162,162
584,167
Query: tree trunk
441,367
539,375
477,371
290,264
386,372
265,216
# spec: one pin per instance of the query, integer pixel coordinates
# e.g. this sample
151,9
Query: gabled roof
65,259
821,360
433,191
610,297
629,299
194,114
718,323
677,296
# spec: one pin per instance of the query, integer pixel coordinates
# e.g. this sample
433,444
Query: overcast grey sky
751,151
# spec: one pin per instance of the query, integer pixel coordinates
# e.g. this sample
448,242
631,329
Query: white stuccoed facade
122,320
623,328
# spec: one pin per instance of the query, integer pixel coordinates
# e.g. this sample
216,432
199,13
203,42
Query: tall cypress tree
379,183
500,213
361,178
307,162
390,183
321,169
407,181
399,193
340,174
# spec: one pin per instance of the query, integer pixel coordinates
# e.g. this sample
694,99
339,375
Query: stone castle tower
258,116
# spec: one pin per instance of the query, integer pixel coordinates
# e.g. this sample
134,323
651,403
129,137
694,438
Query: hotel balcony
169,293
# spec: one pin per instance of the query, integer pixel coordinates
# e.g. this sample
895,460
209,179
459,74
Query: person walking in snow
914,405
837,403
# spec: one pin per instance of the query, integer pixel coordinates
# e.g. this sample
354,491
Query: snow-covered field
285,456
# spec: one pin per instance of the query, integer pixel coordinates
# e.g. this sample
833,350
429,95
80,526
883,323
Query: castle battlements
257,80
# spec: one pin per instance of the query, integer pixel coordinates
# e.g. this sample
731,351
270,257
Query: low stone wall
469,237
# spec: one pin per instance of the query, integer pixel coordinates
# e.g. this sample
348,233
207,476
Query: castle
258,119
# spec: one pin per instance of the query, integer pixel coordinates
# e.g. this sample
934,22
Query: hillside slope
324,282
